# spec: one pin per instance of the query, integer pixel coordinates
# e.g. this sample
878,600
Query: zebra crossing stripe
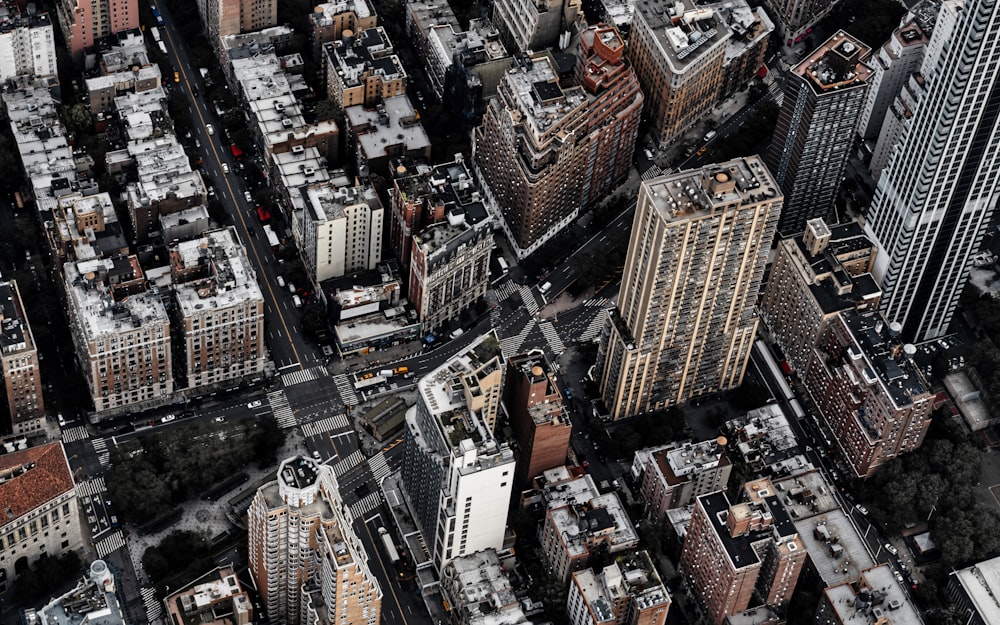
552,337
110,544
346,389
303,375
282,411
91,488
379,467
364,506
595,326
101,447
329,424
511,344
348,463
77,433
528,297
154,609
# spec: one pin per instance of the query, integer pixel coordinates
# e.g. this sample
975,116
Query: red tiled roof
49,478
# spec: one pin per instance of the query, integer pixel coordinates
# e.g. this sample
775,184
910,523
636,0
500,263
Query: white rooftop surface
846,566
679,518
436,386
329,203
367,328
148,101
562,488
96,311
603,589
124,78
896,606
692,457
298,169
805,494
742,19
970,403
542,115
982,583
685,41
689,194
261,77
188,215
377,138
566,523
138,125
233,277
479,580
359,7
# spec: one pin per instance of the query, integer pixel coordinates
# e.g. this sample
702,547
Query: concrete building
795,18
342,232
19,366
450,264
477,49
580,524
546,151
371,313
763,438
422,195
540,421
478,591
527,25
974,590
422,16
824,97
330,20
935,200
627,591
27,44
892,66
221,310
40,505
363,68
83,227
123,67
309,566
672,475
875,599
873,398
121,334
85,22
222,18
732,551
216,598
93,601
457,478
685,322
388,131
687,55
815,276
165,182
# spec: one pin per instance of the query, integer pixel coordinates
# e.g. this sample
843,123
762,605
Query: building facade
221,310
824,97
363,69
734,550
27,45
545,151
222,18
534,24
795,18
41,511
814,277
537,415
627,591
935,200
456,476
84,22
687,55
673,475
342,230
685,323
873,398
121,334
19,365
308,564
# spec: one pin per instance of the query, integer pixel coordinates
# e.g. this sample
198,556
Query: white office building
936,198
342,230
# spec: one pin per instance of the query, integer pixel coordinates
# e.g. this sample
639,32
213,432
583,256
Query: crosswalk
379,467
110,544
505,290
594,328
346,389
303,375
599,301
76,433
328,424
348,463
91,488
552,337
101,447
363,506
653,172
528,296
154,609
511,345
282,411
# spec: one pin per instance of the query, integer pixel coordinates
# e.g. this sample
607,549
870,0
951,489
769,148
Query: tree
79,120
314,321
329,109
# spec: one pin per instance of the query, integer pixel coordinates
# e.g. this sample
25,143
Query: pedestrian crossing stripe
363,506
528,297
511,345
110,544
346,389
505,290
552,337
77,433
348,463
379,467
303,375
282,411
154,609
329,424
101,447
594,328
91,488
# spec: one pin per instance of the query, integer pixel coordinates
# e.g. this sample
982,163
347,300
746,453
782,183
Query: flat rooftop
697,193
685,31
837,550
836,64
878,600
981,583
538,99
395,123
222,275
98,311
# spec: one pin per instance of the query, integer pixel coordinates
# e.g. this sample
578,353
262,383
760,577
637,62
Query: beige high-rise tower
308,564
685,321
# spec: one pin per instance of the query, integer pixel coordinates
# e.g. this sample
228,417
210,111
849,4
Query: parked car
62,420
225,168
863,510
210,129
255,404
891,549
247,196
168,418
291,288
316,456
297,301
281,282
220,419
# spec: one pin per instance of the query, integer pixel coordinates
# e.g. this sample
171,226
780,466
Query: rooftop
981,583
323,12
836,64
369,53
216,598
685,31
92,602
632,576
876,599
763,519
548,406
691,457
32,477
696,193
536,96
15,336
836,549
108,297
477,588
212,272
327,202
763,436
393,123
583,521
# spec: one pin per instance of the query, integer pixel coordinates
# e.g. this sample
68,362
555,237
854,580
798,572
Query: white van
710,135
503,265
457,333
281,281
297,301
542,290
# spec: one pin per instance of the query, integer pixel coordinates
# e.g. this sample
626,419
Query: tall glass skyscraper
937,195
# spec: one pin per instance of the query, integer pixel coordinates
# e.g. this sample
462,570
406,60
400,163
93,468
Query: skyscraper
306,561
824,97
685,323
936,197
